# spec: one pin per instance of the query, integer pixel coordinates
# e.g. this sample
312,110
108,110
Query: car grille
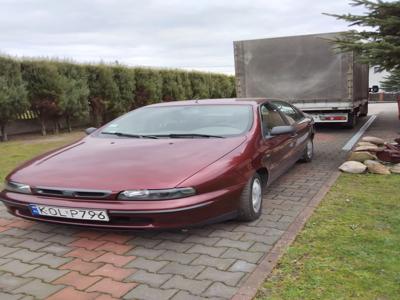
71,193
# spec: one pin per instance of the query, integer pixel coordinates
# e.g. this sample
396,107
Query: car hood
123,163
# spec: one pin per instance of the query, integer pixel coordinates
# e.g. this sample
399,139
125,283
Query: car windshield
185,120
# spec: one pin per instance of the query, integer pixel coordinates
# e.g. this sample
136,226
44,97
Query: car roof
234,101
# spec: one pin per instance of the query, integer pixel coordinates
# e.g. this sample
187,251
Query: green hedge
59,91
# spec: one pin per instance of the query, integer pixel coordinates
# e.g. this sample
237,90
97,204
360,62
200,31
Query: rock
366,148
361,156
373,140
376,167
395,169
365,144
353,167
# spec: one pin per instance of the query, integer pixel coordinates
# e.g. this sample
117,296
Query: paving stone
38,289
84,254
169,245
250,229
179,269
146,264
266,239
151,279
242,245
183,295
114,247
78,281
45,273
7,240
144,242
9,282
172,236
252,257
218,289
196,239
15,232
117,260
144,292
7,296
61,239
260,247
114,288
70,293
219,263
32,244
51,260
16,267
230,278
4,250
212,251
25,255
65,230
183,258
4,260
81,266
108,270
145,252
242,266
56,249
235,235
38,235
191,285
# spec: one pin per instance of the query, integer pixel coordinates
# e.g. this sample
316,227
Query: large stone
366,148
361,156
376,167
395,169
365,144
354,167
373,140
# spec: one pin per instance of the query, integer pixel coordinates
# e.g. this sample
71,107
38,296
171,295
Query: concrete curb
250,287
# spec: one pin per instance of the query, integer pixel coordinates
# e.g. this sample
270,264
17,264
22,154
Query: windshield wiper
138,136
190,135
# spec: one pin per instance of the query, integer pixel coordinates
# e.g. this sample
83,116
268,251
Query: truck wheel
364,110
251,199
352,120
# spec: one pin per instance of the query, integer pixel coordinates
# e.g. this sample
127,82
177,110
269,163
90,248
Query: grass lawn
350,247
15,152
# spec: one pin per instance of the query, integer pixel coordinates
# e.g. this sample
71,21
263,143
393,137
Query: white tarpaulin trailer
308,71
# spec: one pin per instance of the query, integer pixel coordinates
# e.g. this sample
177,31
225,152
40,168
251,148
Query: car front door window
292,115
270,118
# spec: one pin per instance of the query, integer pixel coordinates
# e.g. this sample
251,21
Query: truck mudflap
329,117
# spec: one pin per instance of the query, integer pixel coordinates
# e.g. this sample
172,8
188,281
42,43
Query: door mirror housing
278,130
90,130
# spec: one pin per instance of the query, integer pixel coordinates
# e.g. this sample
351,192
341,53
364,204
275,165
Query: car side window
291,113
270,118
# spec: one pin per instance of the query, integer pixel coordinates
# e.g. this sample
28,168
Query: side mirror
278,130
90,130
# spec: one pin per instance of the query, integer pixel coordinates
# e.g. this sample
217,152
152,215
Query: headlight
17,187
156,194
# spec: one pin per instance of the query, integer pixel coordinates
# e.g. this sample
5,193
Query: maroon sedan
166,165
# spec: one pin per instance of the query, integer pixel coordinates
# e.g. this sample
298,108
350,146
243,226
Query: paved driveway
39,260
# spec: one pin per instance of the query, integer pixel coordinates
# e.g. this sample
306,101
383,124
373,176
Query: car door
276,149
301,124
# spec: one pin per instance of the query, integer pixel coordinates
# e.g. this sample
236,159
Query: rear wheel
308,151
364,110
352,120
251,199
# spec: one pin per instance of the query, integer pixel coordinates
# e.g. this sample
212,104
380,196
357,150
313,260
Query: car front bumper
178,213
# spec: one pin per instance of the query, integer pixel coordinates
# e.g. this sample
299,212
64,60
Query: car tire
308,151
250,205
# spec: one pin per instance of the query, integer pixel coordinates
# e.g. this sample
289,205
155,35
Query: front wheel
251,199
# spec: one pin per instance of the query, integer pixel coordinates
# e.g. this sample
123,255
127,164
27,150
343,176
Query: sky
185,34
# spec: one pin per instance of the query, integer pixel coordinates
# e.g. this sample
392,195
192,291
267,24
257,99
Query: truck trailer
308,71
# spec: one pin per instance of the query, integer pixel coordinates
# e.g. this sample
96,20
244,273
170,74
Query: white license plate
69,213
